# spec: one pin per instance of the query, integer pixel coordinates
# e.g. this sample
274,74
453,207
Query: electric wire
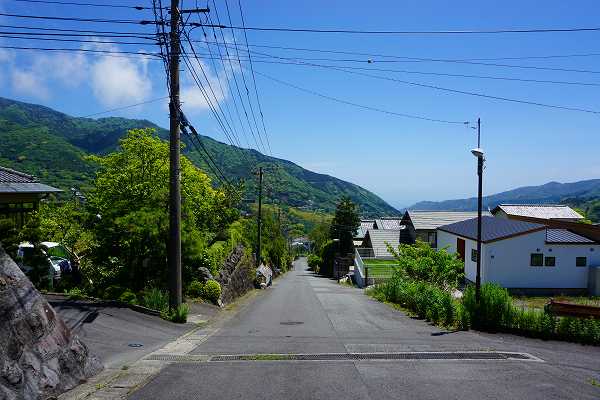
365,107
77,19
75,3
407,32
125,107
254,82
244,80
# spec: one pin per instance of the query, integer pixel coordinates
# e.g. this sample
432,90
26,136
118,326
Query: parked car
57,256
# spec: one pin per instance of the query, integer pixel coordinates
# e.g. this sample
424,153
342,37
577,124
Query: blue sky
403,160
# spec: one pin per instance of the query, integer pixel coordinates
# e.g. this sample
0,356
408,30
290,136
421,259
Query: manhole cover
291,323
135,345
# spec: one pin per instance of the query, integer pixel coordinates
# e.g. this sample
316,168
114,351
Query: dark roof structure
14,182
564,236
492,228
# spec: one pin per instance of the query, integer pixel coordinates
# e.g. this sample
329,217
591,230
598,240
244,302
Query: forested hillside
53,146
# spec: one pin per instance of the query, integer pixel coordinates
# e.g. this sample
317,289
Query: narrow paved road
303,313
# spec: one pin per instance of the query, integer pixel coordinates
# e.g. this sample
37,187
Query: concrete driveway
303,313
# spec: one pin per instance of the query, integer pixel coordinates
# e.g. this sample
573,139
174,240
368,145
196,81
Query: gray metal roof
379,238
388,223
491,228
565,236
365,225
430,220
12,181
543,211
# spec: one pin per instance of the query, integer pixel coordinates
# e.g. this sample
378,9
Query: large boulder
204,274
39,357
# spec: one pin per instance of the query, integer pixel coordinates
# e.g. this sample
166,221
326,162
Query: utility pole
260,181
174,246
174,254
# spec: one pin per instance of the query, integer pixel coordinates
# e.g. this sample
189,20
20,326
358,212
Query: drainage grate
489,355
291,323
177,357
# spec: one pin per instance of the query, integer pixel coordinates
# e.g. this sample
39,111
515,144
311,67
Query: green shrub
494,311
211,291
75,294
179,315
113,292
128,297
424,299
195,289
314,261
156,299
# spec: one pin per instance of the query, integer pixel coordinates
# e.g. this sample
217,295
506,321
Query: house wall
507,262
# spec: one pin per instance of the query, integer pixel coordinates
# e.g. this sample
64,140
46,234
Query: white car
56,254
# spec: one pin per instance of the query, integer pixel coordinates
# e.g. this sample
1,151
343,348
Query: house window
581,261
537,260
550,261
473,255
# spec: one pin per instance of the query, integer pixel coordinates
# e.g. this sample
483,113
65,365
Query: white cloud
29,83
191,95
120,81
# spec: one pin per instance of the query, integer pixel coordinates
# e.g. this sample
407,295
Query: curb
114,303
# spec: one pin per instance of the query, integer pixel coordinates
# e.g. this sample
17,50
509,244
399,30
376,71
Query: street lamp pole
478,152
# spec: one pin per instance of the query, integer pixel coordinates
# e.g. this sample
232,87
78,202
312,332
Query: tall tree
345,224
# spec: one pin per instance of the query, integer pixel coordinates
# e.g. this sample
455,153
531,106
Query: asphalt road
303,313
117,335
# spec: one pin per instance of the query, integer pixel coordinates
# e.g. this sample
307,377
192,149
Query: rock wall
236,276
39,357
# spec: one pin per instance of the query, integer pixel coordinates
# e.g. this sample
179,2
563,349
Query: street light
480,155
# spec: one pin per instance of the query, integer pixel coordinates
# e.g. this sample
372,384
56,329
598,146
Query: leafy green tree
319,235
130,202
345,224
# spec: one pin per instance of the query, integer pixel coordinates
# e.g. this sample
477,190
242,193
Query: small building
523,255
422,225
365,225
376,241
557,212
20,194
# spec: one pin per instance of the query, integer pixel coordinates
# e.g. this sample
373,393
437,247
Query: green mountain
52,145
584,195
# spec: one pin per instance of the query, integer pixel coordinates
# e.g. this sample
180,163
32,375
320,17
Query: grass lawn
381,268
538,302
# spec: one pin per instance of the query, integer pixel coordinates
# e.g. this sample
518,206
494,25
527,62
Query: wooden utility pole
174,246
259,222
174,253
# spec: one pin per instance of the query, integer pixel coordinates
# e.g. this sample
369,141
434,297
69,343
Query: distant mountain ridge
53,145
584,194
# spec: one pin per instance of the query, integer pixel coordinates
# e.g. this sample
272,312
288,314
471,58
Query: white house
523,255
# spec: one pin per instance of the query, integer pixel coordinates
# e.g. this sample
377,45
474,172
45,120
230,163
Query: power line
54,39
125,107
73,34
244,80
464,92
401,59
406,32
295,61
233,97
254,81
125,34
468,93
338,100
405,57
74,3
106,52
237,87
94,20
